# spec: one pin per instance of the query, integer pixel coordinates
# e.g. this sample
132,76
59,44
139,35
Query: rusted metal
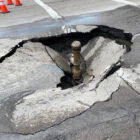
76,59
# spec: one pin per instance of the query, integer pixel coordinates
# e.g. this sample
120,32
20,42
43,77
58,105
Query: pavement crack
83,103
128,84
133,116
135,36
113,69
13,50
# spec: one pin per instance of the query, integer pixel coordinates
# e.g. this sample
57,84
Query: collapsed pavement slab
25,69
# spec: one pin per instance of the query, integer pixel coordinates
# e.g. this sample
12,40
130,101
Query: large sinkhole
102,48
34,72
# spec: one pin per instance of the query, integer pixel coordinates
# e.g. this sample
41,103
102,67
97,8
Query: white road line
49,10
126,2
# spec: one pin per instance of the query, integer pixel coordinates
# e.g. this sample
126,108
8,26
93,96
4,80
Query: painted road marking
126,2
49,10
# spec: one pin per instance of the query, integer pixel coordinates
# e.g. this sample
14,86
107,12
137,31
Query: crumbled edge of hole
62,43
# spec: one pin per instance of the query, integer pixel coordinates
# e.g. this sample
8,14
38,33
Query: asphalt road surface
26,101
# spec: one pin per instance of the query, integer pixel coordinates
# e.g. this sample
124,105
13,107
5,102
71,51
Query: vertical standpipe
76,60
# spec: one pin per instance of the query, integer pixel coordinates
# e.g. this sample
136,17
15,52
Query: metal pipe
76,59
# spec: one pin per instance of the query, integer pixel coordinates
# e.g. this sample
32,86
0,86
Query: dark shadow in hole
67,79
113,70
63,42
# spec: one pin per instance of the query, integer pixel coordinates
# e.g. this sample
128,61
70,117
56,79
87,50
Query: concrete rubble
28,69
